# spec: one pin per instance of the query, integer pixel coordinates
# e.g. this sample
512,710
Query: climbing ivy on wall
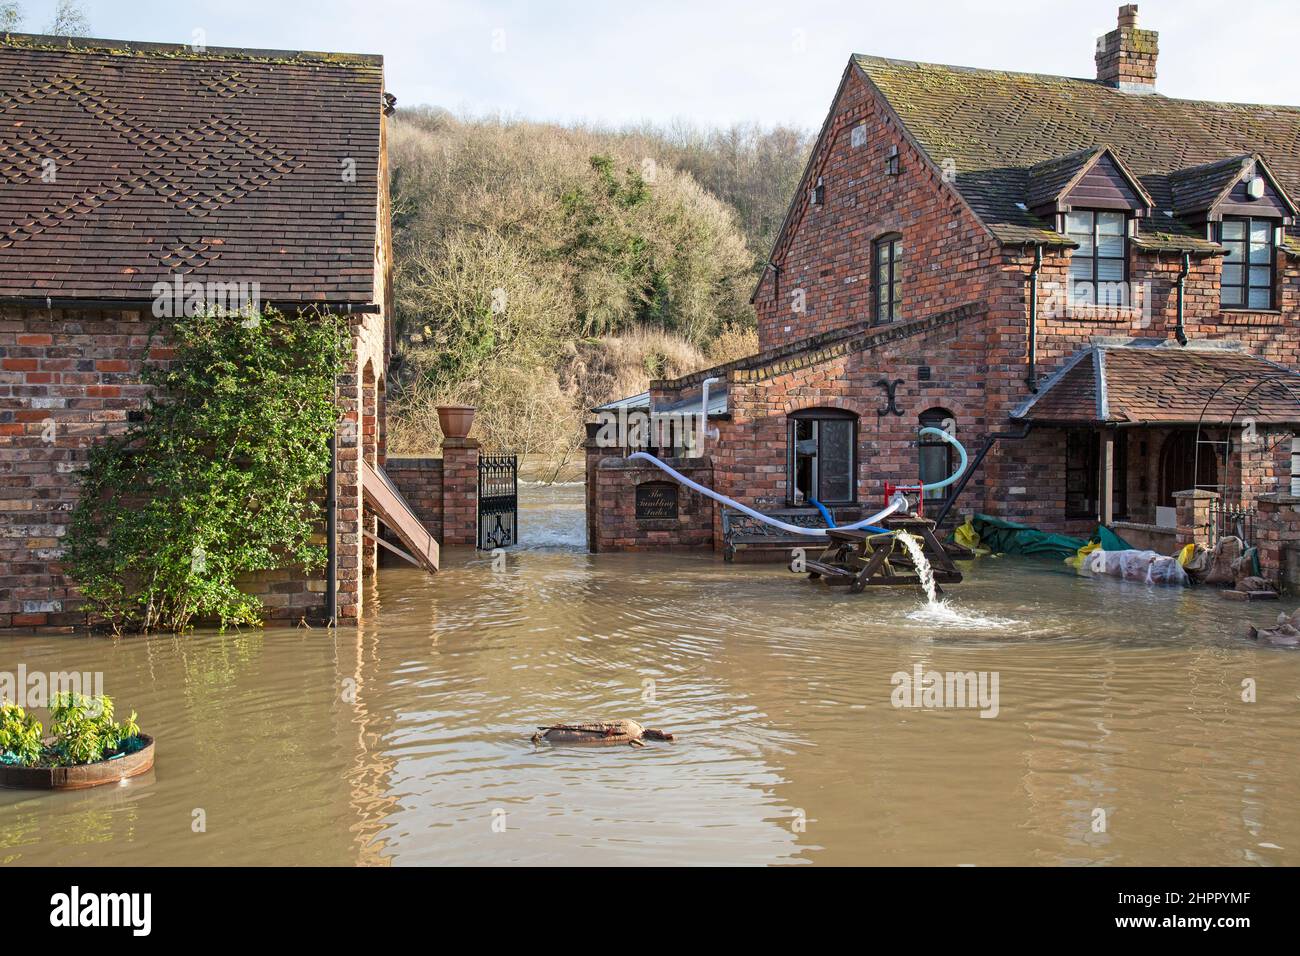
222,478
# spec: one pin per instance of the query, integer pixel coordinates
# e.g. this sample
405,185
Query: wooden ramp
382,495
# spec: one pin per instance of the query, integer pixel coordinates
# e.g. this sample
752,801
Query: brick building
1106,277
252,173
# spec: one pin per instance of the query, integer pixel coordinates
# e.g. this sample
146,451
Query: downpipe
1031,377
1180,330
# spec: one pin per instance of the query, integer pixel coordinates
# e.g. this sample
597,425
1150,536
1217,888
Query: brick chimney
1126,56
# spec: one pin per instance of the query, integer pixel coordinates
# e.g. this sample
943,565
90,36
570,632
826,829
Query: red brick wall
68,379
618,529
420,482
1277,532
460,492
948,256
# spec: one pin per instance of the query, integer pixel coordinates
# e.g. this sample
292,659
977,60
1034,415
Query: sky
714,62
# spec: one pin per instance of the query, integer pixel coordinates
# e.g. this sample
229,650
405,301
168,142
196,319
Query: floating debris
1286,634
602,732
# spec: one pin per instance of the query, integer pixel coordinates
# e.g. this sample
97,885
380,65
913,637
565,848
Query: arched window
822,456
937,458
887,277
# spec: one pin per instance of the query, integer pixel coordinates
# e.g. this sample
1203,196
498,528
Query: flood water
406,741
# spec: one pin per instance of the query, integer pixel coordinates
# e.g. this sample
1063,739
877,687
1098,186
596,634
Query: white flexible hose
961,466
898,501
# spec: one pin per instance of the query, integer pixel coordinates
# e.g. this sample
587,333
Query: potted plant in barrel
85,748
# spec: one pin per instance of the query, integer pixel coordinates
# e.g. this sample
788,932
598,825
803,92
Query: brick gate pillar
1194,513
460,491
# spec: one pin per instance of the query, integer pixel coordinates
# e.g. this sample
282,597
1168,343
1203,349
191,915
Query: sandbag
1147,567
1223,561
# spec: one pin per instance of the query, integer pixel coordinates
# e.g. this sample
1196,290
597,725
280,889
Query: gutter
143,305
1180,332
1031,376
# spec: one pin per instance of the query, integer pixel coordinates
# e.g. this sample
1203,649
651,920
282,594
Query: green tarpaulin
1008,537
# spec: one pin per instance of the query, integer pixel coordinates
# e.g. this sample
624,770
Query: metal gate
498,501
1230,520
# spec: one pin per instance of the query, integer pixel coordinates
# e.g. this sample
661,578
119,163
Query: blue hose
830,520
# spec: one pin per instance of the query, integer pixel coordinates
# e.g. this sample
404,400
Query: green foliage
84,730
221,478
20,735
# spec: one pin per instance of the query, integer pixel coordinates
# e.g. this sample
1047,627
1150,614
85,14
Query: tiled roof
996,125
1127,385
122,165
1196,189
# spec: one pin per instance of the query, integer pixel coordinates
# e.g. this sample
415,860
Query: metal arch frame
1281,377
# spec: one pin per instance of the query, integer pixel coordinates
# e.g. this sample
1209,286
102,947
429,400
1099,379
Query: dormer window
1099,267
1248,268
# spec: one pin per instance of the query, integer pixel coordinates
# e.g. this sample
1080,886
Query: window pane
1261,252
1261,231
834,459
1111,246
1234,229
1261,276
1234,251
1231,295
1085,245
1110,270
1080,222
1261,298
1112,294
882,274
1110,223
1080,267
1232,275
897,249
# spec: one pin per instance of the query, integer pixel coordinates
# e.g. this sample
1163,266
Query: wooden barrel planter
81,776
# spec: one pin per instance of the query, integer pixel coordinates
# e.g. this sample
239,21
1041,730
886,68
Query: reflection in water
406,740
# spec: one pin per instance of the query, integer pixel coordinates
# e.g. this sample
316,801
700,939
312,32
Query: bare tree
69,20
11,16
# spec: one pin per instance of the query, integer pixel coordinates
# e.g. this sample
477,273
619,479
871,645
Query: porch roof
1159,384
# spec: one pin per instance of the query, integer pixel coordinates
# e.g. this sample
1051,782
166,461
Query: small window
937,456
1247,281
817,195
822,456
1099,267
887,278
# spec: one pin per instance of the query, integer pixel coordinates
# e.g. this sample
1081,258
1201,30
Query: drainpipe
705,431
331,538
1180,332
1031,379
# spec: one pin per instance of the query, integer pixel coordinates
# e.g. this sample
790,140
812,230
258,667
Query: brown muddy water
406,741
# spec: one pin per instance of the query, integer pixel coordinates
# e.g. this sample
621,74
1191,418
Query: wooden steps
382,495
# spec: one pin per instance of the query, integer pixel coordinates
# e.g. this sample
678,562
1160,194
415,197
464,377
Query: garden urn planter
455,420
